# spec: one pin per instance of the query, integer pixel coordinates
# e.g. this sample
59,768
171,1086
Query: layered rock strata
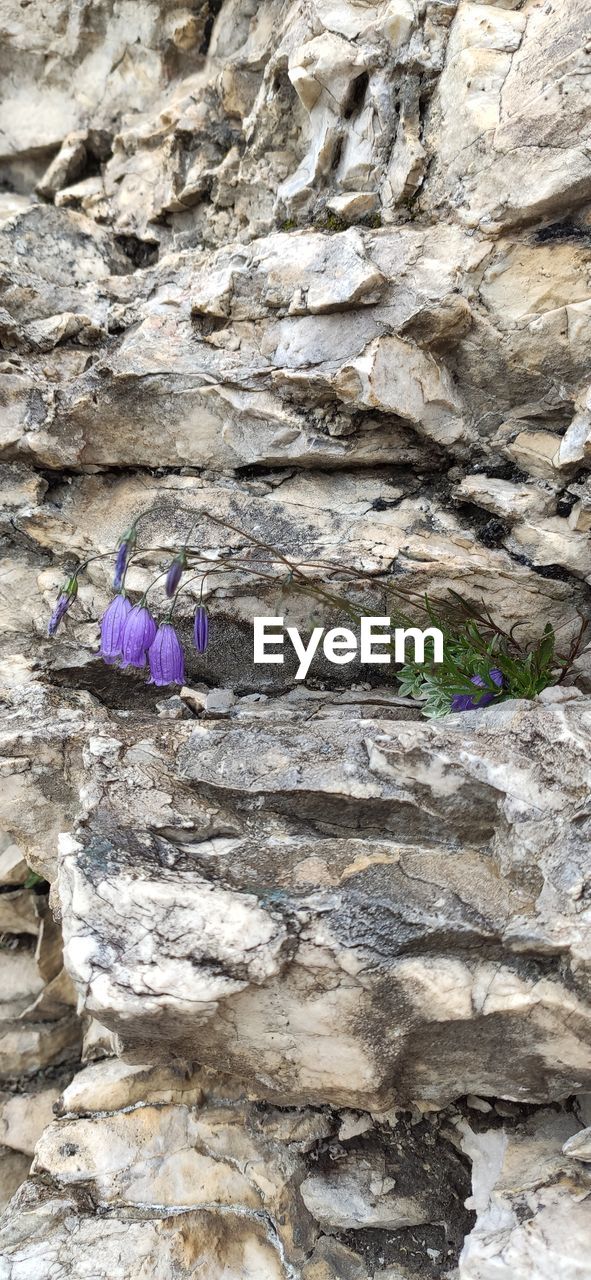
322,271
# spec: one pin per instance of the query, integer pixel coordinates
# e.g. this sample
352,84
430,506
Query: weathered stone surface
18,914
510,137
14,1167
291,879
234,350
197,1161
323,270
38,1030
13,870
23,1117
28,1047
300,1195
532,1203
579,1146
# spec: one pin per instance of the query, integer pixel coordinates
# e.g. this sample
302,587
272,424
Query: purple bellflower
201,630
126,546
138,634
66,597
469,702
112,628
166,658
175,573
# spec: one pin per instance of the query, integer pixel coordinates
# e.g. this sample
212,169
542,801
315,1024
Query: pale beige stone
24,1116
510,146
505,499
14,1168
553,541
397,377
20,981
26,1047
512,1171
314,983
536,452
575,446
111,1084
13,868
18,913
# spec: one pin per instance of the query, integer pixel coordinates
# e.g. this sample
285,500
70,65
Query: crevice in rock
141,253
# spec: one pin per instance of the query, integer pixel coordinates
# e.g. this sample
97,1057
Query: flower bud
66,597
201,629
126,545
175,573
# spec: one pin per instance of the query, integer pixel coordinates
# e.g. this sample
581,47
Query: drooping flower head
175,572
65,598
138,633
126,545
112,628
469,702
201,629
166,658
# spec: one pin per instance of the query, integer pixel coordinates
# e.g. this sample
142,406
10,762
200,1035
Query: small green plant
482,663
328,220
32,880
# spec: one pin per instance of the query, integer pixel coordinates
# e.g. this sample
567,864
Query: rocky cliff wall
320,269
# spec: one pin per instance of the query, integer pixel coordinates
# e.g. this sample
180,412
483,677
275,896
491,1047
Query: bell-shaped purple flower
469,702
166,658
112,628
201,629
66,597
138,634
175,573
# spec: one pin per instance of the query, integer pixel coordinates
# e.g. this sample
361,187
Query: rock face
320,271
255,1189
40,1034
295,894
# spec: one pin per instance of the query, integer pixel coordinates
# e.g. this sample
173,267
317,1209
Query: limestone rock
110,1085
229,1170
536,452
38,1030
28,1047
322,516
532,1203
552,541
579,1146
260,944
320,270
18,914
299,274
20,982
24,1116
576,443
508,150
165,1245
14,1167
508,501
